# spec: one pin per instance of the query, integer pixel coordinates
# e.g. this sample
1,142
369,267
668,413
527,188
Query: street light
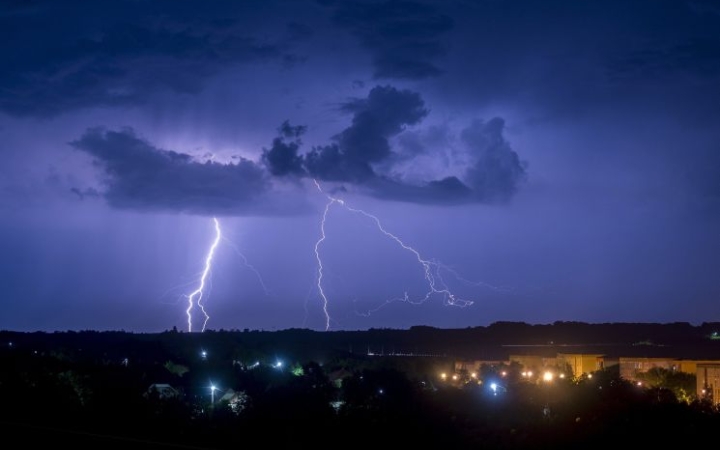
547,378
213,388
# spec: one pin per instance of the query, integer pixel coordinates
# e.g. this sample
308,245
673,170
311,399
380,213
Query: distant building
690,365
707,372
474,366
534,363
237,401
631,367
708,381
580,364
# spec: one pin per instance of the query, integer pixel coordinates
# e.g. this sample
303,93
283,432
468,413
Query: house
162,391
708,381
237,401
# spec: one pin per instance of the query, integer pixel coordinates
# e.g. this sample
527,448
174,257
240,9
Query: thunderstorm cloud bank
131,54
138,175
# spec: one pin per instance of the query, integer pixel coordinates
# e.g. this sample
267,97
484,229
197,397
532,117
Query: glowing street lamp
213,388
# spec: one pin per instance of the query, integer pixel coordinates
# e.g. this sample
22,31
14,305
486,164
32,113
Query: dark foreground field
301,389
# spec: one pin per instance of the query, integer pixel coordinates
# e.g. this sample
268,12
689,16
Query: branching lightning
248,265
200,294
195,297
431,269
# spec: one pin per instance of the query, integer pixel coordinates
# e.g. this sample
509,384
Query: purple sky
539,161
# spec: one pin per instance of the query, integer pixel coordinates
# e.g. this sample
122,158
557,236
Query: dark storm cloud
496,171
414,143
70,55
494,175
282,157
383,114
403,36
695,57
447,191
139,176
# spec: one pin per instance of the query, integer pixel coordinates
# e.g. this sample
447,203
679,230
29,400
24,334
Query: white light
199,292
213,388
493,386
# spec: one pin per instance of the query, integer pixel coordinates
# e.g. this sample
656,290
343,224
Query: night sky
480,161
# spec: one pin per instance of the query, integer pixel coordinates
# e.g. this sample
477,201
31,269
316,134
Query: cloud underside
493,173
405,38
138,175
120,55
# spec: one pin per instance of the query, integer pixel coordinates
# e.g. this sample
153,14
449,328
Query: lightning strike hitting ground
195,297
431,269
319,260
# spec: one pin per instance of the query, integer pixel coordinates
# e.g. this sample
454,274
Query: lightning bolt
248,265
319,259
195,297
431,269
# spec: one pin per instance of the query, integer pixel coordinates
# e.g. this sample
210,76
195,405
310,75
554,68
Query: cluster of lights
547,376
